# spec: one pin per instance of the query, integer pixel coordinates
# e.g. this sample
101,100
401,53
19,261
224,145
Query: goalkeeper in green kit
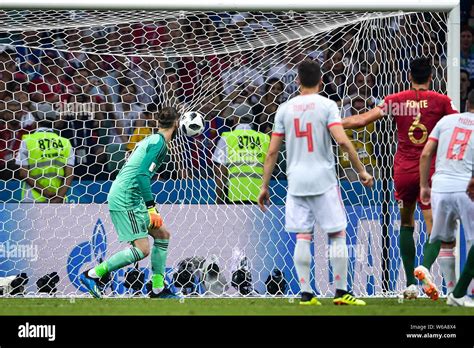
133,212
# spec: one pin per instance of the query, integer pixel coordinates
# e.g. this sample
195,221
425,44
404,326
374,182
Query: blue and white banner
69,238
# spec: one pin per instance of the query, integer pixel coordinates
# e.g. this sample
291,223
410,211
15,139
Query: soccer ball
192,123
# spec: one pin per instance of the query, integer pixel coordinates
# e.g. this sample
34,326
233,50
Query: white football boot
465,301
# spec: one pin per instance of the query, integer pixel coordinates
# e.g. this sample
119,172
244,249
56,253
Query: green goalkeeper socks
119,260
159,253
408,252
466,276
430,253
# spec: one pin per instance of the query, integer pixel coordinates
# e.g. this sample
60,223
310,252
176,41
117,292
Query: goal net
99,78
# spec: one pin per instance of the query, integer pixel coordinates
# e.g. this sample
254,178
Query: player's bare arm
362,120
67,182
425,162
270,161
470,189
337,131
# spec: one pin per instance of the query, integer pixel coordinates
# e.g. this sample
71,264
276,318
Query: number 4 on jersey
308,133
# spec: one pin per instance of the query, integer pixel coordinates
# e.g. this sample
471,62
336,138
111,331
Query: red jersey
416,113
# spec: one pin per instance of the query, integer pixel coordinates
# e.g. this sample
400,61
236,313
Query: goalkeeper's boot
346,298
91,284
308,299
465,301
411,292
166,293
423,275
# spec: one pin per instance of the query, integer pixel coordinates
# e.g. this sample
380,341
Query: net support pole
453,66
454,55
386,177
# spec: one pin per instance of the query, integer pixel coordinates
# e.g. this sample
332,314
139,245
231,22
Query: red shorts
407,187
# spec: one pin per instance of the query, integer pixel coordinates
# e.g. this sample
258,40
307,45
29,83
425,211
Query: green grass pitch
200,306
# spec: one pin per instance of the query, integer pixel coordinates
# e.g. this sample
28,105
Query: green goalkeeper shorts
131,224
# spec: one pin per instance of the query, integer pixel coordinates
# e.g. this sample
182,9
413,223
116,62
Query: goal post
454,55
237,5
105,67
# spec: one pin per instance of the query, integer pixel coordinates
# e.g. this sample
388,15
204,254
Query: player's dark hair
420,70
167,117
309,73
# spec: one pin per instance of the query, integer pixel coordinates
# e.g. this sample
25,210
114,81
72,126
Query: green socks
119,260
430,252
159,252
408,252
466,276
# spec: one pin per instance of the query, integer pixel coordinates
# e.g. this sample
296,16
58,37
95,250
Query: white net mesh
104,75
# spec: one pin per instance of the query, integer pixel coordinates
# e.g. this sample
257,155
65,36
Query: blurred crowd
105,103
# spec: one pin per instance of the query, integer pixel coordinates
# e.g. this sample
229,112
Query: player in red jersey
415,112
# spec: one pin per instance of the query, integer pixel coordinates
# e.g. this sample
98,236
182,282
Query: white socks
302,258
338,256
447,263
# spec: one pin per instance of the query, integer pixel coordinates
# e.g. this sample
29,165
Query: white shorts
327,210
447,209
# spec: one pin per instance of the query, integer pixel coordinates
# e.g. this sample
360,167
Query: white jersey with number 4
304,121
455,153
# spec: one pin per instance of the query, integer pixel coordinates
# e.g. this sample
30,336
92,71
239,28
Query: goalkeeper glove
155,218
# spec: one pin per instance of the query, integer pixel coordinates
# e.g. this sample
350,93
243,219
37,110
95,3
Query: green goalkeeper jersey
132,187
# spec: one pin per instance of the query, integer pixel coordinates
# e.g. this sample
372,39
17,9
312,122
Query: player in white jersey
452,140
307,123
